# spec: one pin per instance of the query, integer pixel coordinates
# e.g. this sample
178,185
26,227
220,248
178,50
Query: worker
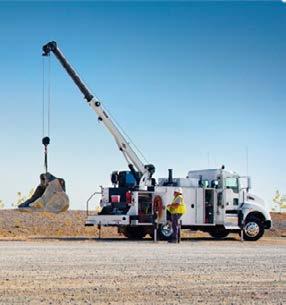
38,192
177,208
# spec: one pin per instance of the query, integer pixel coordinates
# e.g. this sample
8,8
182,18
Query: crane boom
145,171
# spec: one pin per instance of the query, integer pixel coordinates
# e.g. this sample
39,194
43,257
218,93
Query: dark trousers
175,226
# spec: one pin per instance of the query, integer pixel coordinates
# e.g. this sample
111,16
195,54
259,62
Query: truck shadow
123,239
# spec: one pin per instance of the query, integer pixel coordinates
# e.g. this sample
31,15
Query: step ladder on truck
218,200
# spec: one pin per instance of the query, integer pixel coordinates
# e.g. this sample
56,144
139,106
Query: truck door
231,202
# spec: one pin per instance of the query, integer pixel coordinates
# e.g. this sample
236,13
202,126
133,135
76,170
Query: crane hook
46,142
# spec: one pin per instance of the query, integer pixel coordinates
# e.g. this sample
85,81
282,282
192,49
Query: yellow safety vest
181,209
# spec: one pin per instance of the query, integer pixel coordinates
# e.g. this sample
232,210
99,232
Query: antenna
246,161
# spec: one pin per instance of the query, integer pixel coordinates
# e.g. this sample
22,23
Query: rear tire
253,229
165,231
134,233
219,233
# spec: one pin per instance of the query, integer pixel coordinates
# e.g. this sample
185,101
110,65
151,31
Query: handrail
88,200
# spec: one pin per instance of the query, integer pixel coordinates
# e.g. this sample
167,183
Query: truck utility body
218,201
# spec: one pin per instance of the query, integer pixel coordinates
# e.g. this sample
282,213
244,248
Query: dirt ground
117,271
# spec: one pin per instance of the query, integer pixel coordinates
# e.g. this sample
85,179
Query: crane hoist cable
46,111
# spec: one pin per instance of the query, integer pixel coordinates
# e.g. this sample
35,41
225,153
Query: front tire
253,229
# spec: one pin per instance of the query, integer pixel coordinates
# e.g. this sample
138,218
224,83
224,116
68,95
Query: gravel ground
197,271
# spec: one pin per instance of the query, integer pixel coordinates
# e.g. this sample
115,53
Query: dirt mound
14,224
278,225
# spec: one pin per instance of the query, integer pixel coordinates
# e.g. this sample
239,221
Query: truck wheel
219,233
253,229
134,233
165,231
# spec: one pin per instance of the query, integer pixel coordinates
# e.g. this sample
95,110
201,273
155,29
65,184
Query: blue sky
185,80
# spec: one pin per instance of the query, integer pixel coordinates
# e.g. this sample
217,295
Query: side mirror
244,183
249,186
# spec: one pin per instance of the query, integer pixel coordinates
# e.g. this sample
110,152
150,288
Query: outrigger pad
54,199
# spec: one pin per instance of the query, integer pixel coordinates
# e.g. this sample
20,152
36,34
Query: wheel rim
166,230
251,229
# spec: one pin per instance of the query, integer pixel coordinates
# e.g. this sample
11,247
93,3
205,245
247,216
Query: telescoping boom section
141,172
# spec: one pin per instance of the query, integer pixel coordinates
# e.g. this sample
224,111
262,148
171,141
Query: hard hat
178,190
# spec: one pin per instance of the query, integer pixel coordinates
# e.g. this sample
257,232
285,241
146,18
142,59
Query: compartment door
209,206
189,218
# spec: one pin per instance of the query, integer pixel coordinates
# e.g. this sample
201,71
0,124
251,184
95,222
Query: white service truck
218,200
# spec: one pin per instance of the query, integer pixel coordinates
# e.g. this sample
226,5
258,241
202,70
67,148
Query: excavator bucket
54,199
